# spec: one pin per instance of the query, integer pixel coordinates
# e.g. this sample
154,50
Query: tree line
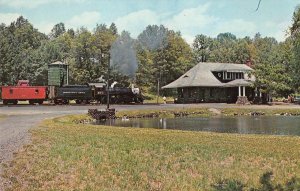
158,53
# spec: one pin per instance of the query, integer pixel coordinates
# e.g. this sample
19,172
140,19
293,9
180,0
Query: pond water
271,125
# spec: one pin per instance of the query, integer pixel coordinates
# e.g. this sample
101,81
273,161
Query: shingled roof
201,76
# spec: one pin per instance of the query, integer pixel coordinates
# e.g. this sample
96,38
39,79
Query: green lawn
68,156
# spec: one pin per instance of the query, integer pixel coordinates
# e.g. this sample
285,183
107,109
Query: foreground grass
68,156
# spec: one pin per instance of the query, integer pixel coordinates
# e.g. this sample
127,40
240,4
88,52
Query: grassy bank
203,112
269,111
67,156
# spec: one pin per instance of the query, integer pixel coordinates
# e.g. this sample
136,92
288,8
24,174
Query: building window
210,92
190,93
228,75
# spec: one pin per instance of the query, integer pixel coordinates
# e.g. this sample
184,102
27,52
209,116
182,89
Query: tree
102,42
113,29
226,37
295,35
71,32
154,37
173,60
201,47
19,40
144,74
57,30
83,68
271,67
244,52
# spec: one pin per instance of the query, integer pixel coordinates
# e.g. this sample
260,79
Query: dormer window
233,75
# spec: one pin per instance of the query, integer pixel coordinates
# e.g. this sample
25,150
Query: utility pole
107,88
157,100
158,86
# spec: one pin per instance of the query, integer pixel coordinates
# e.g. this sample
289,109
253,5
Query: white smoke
123,55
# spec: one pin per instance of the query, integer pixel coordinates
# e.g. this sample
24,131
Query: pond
271,125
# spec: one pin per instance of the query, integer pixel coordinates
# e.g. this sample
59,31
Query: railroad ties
101,115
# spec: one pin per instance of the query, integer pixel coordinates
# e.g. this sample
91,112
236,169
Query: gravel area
14,127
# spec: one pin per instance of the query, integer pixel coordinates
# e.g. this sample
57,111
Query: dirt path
14,129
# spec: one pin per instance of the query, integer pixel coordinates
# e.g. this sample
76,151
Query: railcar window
36,91
11,91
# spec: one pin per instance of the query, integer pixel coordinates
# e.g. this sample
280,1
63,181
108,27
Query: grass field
68,156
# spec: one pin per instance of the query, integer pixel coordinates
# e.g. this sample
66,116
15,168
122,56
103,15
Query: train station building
215,82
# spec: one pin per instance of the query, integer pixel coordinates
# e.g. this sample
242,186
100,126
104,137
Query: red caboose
24,92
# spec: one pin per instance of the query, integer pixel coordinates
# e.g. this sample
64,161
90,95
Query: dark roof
201,75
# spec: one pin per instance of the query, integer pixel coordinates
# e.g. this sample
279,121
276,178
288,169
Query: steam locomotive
59,92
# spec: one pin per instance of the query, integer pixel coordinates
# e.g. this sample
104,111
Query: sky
190,17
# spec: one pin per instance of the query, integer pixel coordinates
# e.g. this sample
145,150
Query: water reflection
272,125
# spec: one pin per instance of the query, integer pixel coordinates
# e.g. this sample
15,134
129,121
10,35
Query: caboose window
11,91
36,91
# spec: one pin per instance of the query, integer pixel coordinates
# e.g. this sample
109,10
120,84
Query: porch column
244,91
239,91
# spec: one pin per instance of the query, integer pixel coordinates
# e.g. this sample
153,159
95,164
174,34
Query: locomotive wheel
5,102
65,102
15,102
78,101
40,102
56,102
31,102
103,100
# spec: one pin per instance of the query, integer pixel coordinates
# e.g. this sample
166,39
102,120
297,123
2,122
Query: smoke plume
123,55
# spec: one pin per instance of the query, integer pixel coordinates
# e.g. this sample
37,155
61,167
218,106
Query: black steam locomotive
61,93
96,92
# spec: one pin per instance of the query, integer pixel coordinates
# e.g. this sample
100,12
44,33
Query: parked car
297,99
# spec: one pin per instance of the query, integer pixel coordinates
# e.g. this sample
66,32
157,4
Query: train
81,94
58,91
